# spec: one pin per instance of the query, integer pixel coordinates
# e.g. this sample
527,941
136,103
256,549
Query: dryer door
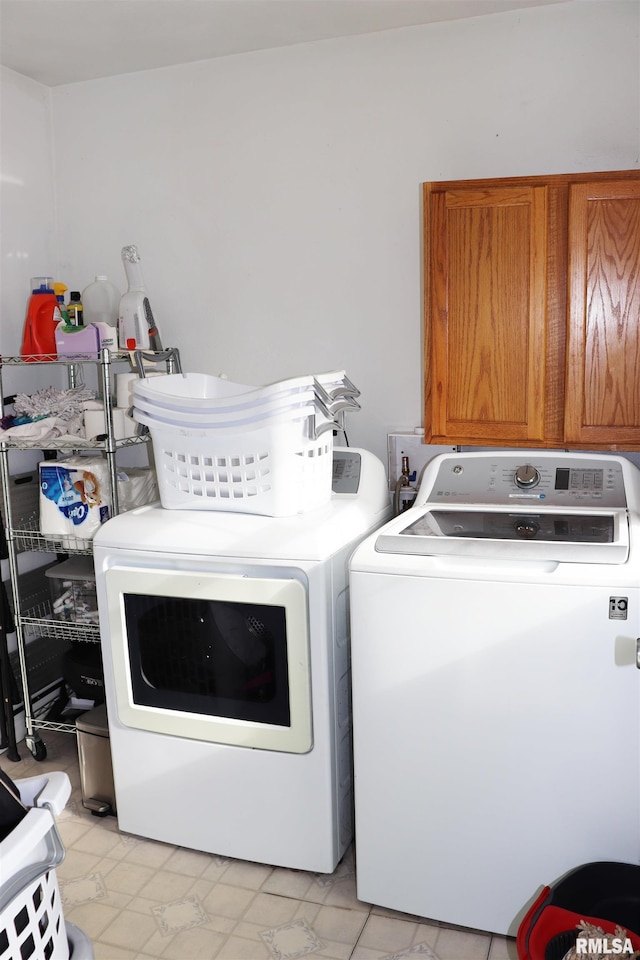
211,656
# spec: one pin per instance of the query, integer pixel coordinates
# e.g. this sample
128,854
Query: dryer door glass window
209,656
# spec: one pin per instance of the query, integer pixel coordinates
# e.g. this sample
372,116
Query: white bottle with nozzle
137,328
100,301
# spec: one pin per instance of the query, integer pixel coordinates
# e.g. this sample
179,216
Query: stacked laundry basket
220,445
32,925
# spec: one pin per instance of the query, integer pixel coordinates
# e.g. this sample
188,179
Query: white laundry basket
206,418
276,467
204,393
32,925
224,446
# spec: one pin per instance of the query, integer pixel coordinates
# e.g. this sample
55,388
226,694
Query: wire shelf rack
29,537
61,629
68,443
115,356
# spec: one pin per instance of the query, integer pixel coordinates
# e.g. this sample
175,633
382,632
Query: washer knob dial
526,528
527,476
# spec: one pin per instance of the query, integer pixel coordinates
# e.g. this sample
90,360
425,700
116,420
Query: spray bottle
60,289
136,326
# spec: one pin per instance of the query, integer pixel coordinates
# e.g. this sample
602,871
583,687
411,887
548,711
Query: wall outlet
410,445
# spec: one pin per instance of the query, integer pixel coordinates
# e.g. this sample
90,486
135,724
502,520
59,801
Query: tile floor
141,900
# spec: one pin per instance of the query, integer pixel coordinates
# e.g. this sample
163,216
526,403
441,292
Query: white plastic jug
101,300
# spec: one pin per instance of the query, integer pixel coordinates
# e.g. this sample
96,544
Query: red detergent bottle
43,315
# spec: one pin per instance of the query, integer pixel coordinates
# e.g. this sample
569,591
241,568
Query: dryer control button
527,476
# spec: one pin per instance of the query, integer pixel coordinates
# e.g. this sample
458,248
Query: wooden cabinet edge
426,314
553,180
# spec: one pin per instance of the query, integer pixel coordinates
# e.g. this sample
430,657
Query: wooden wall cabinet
532,311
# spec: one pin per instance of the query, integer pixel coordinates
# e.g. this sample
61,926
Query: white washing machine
496,690
226,655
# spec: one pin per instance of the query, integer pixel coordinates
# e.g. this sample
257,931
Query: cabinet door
603,357
486,282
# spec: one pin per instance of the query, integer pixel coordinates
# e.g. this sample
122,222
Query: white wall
27,233
28,243
275,196
27,212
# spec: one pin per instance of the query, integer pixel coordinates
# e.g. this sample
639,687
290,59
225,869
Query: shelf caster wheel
37,747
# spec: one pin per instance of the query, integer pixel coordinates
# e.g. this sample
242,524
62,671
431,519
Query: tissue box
73,590
137,486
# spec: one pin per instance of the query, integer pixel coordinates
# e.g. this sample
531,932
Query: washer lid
559,535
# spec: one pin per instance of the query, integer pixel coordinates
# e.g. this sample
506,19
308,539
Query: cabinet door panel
488,262
603,358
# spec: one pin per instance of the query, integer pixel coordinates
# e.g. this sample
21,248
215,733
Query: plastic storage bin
32,925
73,590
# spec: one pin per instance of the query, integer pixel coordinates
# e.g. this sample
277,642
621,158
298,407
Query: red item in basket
582,896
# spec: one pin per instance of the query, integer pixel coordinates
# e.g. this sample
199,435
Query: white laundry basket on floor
32,925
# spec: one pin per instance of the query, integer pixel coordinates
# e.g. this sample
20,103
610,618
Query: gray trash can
94,753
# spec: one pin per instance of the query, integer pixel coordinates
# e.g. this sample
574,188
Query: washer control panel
524,479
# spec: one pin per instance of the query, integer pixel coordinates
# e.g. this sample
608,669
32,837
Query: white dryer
496,690
225,642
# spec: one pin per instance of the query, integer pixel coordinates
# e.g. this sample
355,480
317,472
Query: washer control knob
527,476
